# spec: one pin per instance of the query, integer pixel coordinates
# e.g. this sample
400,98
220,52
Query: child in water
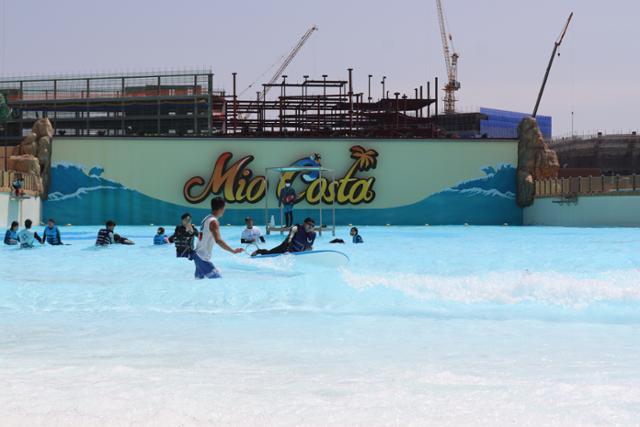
11,236
51,233
355,237
160,238
28,237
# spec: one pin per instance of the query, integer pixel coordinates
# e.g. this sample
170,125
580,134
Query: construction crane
451,62
289,58
556,45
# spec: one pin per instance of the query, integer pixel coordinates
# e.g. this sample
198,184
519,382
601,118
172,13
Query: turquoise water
424,326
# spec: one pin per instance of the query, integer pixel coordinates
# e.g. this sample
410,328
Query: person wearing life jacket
300,239
160,238
105,235
209,235
28,237
355,235
287,199
184,236
11,236
51,233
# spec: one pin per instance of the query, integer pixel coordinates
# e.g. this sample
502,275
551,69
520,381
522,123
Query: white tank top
205,244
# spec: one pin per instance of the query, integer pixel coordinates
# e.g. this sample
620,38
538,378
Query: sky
504,47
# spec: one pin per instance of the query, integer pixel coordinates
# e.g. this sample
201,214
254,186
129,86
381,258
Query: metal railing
588,185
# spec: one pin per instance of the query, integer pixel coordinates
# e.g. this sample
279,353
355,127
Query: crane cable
271,67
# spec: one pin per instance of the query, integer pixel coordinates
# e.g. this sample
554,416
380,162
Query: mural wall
399,182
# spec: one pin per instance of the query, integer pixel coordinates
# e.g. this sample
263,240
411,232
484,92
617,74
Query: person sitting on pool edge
300,239
17,185
210,233
105,235
27,237
51,233
11,236
160,238
184,236
251,234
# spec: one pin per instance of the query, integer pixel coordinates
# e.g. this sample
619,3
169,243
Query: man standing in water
210,233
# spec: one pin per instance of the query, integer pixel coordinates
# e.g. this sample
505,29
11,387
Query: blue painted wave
82,198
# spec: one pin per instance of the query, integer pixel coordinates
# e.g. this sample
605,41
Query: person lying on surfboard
300,239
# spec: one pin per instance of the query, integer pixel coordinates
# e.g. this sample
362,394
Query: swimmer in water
251,234
11,236
28,237
51,233
105,235
121,240
355,236
209,235
160,238
300,239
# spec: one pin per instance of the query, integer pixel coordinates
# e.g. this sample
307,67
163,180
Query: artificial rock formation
536,161
34,153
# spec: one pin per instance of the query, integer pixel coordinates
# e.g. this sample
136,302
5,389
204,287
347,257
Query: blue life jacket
11,237
52,235
105,237
302,241
159,239
357,239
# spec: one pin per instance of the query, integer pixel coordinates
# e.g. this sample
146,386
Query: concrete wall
399,182
12,209
589,211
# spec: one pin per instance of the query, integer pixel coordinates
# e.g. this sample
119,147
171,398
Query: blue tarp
504,124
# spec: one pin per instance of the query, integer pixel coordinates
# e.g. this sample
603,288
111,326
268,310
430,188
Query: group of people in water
191,243
28,238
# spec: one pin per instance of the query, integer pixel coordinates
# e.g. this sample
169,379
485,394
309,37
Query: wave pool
447,326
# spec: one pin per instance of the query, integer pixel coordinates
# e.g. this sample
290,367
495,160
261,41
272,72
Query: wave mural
86,198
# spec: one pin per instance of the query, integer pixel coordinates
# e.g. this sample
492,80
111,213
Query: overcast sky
504,46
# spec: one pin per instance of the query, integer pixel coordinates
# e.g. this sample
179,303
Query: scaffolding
140,104
185,104
329,108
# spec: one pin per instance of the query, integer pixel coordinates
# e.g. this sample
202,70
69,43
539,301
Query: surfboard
328,258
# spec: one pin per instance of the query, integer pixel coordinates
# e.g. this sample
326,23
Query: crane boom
292,54
443,35
450,61
290,57
556,45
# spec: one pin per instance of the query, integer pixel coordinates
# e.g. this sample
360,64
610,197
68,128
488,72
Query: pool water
447,326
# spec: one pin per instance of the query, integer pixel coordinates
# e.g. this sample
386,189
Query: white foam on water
446,326
510,287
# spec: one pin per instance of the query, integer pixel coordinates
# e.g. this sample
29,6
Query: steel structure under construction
187,105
